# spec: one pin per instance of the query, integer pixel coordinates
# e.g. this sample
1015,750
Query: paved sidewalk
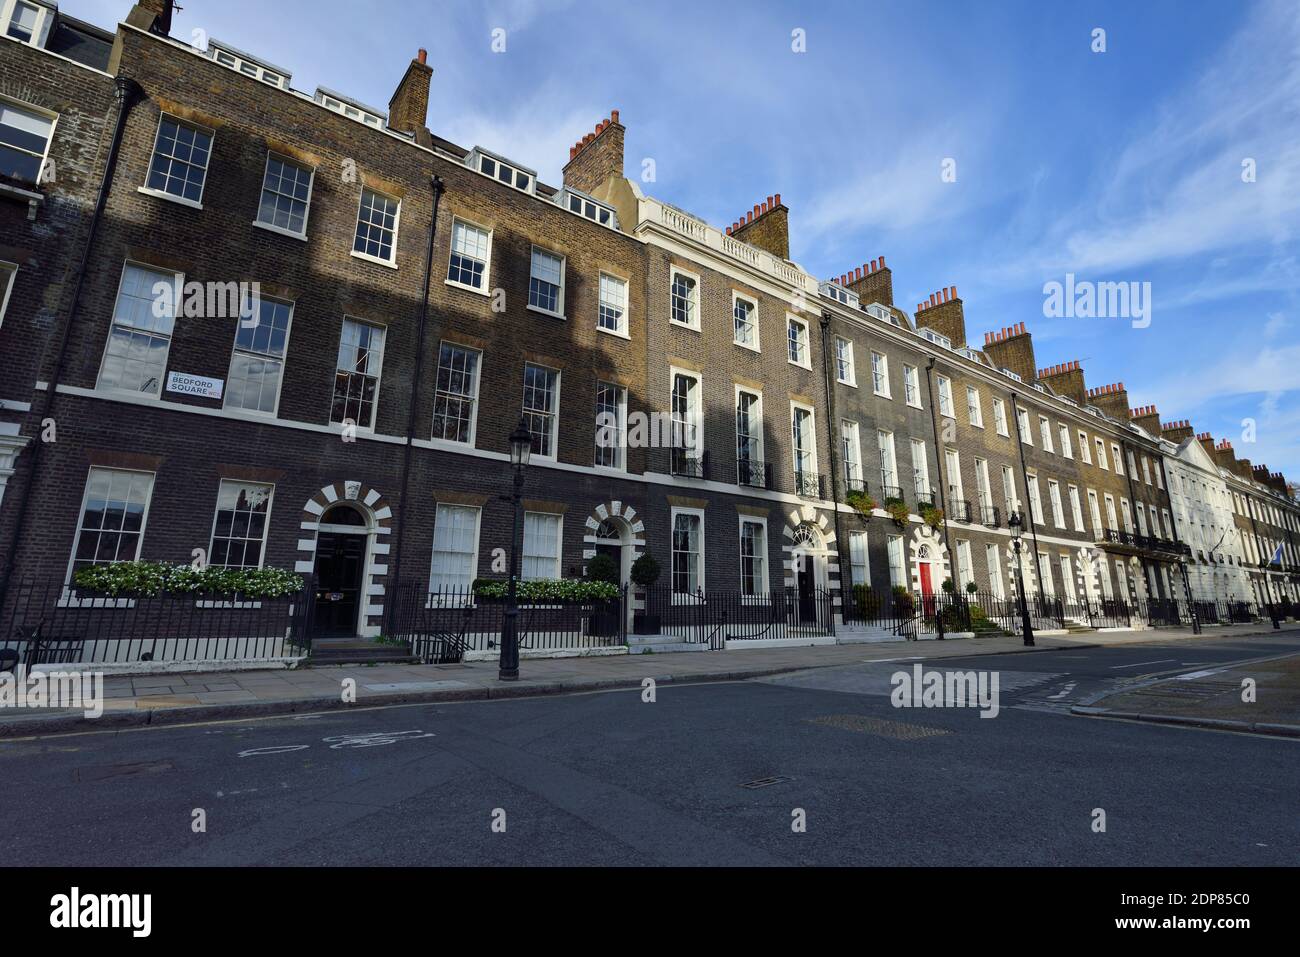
178,698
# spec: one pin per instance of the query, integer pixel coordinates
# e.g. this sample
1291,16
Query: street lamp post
1017,526
521,444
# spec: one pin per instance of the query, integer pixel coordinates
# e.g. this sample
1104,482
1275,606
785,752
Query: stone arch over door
1027,569
618,516
795,543
372,505
1090,587
927,545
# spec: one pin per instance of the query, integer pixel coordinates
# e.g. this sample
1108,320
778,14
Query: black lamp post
1017,526
521,446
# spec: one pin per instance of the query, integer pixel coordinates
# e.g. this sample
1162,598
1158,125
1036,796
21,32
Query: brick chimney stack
943,313
871,282
1207,442
409,107
596,158
1065,379
1146,417
154,16
766,226
1177,431
1111,399
1012,348
1224,457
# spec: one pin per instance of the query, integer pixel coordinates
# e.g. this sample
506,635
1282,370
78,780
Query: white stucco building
1202,508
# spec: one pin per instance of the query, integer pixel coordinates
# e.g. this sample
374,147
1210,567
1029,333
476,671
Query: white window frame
945,397
1076,509
952,472
897,569
701,566
756,416
739,297
965,564
163,194
807,341
1085,449
433,548
274,411
1058,506
1100,445
266,526
880,375
558,312
379,374
559,545
487,262
311,185
620,451
974,408
391,263
695,416
920,468
859,535
1095,514
1116,458
1035,500
851,446
8,278
766,582
852,378
69,585
40,27
993,559
1000,418
40,113
812,438
1045,433
693,300
1025,431
912,385
554,454
179,280
621,330
473,398
1063,436
887,461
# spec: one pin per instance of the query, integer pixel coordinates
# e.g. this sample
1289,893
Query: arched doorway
342,551
808,561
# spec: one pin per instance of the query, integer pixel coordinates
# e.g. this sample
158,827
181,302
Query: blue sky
1123,165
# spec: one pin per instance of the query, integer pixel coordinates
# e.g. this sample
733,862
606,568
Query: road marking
1196,674
1063,692
275,749
1139,664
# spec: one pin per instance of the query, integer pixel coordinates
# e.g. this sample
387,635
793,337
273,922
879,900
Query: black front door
339,565
807,591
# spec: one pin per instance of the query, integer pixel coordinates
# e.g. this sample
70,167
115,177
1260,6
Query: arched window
343,515
609,529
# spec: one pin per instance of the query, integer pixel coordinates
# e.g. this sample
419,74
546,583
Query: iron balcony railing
990,516
1146,543
808,484
854,483
926,500
753,474
959,510
689,463
891,494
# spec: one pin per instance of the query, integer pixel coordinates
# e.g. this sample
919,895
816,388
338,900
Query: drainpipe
938,464
124,96
830,441
1029,511
396,557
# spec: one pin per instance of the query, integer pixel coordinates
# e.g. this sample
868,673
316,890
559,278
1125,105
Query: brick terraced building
418,298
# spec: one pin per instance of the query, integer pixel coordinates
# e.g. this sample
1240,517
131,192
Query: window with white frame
844,371
1141,517
113,513
1022,426
1035,503
688,551
455,398
945,397
912,386
1045,433
611,425
1127,515
1110,512
455,548
851,449
286,195
880,374
1063,436
1076,509
686,421
920,469
140,336
1094,512
965,567
749,437
952,470
1155,521
180,159
804,444
897,568
1045,574
1000,417
1058,508
1115,457
1132,464
1146,470
356,376
983,492
797,342
24,141
744,313
376,236
8,272
24,22
1010,494
471,251
1101,454
546,283
613,304
541,545
1147,467
974,411
859,566
257,362
239,526
1084,452
541,407
994,562
888,464
753,556
685,299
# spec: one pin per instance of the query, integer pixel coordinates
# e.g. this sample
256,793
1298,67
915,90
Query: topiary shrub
645,571
602,568
972,588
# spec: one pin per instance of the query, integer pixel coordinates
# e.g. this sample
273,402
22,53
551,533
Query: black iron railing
753,474
959,510
689,463
718,616
892,494
990,516
925,500
809,484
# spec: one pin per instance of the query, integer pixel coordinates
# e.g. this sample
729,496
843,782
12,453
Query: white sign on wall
196,385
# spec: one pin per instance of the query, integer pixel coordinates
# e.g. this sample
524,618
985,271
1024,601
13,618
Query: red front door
927,592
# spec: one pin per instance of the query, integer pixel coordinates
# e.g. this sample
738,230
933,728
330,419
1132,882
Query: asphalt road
706,774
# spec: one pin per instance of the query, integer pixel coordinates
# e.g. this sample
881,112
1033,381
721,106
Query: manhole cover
862,724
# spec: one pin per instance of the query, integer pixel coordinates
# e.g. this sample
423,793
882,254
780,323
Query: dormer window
503,171
883,313
27,22
839,294
234,59
350,108
936,338
588,208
